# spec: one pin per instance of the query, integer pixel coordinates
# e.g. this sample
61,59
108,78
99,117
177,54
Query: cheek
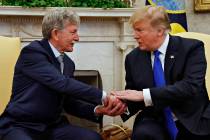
151,37
65,40
68,39
147,39
61,39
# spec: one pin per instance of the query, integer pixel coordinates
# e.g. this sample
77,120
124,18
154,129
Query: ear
161,31
55,34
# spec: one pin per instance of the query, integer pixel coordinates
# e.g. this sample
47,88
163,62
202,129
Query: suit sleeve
133,107
81,109
189,85
35,64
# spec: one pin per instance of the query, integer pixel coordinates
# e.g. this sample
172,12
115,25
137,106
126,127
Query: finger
115,100
110,103
106,101
119,93
121,97
112,92
115,109
120,111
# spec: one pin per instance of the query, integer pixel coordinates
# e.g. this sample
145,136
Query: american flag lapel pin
172,56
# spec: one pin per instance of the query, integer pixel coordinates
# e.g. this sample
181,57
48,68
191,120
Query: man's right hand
111,107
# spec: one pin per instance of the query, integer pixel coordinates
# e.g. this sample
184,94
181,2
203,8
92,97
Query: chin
70,49
142,48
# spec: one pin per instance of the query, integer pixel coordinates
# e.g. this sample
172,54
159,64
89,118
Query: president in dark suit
182,73
44,87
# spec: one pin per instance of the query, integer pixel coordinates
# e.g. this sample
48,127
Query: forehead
71,26
142,23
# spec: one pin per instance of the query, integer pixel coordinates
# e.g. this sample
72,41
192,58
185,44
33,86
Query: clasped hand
112,106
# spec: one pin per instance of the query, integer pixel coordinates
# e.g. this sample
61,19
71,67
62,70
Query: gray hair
57,19
157,16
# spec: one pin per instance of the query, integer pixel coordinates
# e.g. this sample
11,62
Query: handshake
114,104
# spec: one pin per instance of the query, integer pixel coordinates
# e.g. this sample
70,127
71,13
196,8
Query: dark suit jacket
185,92
40,92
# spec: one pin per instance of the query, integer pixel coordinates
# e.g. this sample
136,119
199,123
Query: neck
160,41
56,46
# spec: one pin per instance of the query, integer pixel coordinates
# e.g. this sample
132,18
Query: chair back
206,40
9,51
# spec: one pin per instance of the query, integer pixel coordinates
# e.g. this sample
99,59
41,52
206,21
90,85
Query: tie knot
156,53
60,58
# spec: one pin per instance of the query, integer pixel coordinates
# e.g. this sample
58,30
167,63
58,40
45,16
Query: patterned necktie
60,60
159,80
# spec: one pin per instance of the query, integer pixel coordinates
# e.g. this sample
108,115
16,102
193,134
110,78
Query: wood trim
202,5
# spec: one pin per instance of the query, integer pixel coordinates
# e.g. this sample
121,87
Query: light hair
157,16
58,19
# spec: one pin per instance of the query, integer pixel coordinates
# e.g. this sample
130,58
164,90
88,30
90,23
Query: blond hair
57,19
157,16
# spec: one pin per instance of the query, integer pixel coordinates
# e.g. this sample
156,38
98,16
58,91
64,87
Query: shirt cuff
147,97
96,108
104,94
127,112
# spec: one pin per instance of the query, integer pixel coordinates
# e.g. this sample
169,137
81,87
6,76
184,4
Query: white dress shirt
55,51
162,50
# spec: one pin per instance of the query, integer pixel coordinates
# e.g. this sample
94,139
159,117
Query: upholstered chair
9,51
206,39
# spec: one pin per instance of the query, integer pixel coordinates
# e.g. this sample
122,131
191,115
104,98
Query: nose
76,38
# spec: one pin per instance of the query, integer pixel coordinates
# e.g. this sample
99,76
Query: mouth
73,42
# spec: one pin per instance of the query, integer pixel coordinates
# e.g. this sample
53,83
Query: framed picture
202,5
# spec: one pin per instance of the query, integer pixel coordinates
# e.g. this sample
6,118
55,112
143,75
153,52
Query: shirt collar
164,45
55,51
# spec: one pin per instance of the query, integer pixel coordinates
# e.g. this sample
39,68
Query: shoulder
136,53
185,48
37,47
34,51
186,43
34,45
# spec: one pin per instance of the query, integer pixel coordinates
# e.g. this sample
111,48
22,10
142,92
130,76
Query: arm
81,109
35,64
189,84
133,107
112,107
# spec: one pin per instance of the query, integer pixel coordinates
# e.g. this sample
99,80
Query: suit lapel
68,63
144,70
150,69
69,66
51,55
171,54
